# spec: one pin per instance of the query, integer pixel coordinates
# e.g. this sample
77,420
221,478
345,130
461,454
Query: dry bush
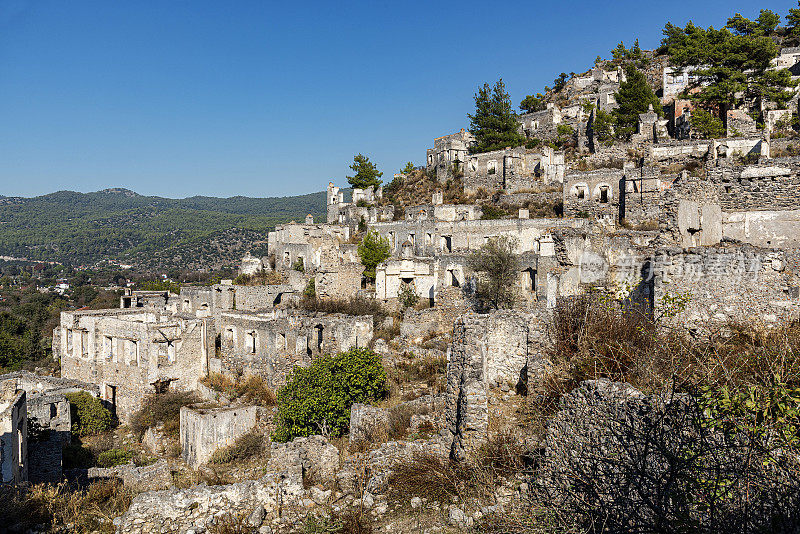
387,333
430,476
426,369
504,455
433,477
400,420
595,337
162,408
261,278
61,506
247,446
353,306
252,389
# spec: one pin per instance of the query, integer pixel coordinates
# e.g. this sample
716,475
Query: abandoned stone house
205,301
270,345
756,204
148,299
447,153
48,418
788,58
303,245
132,352
363,207
511,169
251,265
593,193
13,436
205,429
541,124
431,237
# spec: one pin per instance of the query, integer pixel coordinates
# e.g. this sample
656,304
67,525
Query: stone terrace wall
271,501
774,185
739,283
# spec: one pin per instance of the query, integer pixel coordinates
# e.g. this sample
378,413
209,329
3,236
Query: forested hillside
147,232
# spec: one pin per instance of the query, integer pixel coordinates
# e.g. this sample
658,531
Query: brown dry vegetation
433,477
418,188
65,508
593,337
261,278
162,408
251,389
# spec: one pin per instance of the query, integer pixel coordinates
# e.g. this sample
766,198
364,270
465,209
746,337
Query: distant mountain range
147,232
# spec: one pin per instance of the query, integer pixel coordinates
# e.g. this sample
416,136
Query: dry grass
427,369
251,389
261,278
60,506
245,447
354,306
230,524
694,167
596,338
162,408
433,477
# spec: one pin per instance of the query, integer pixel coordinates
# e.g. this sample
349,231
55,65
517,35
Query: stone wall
204,430
126,352
728,282
273,501
45,459
757,204
436,238
271,345
499,349
13,436
593,193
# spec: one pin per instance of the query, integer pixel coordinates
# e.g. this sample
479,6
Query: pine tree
533,103
793,21
367,174
726,65
408,169
494,123
634,97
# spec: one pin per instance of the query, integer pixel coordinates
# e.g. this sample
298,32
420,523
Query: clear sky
184,97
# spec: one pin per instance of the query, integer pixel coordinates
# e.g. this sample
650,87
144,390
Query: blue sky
183,97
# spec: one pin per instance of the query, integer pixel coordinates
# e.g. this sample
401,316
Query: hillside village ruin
638,221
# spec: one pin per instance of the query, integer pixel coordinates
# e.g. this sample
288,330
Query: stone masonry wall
204,430
739,283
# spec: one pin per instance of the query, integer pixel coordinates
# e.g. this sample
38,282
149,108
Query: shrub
373,250
162,408
65,508
246,446
498,264
407,296
89,416
317,398
310,292
114,457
